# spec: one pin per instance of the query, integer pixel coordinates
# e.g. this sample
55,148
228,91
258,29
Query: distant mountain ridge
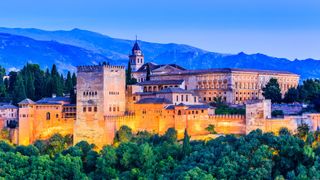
62,46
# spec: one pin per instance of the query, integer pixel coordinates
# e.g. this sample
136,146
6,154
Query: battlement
97,68
228,117
90,68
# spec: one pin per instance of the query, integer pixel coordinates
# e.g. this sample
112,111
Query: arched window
48,116
179,112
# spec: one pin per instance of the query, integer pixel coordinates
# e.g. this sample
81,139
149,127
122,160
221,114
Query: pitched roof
8,106
189,107
154,101
135,47
228,70
174,90
160,82
26,101
54,100
154,66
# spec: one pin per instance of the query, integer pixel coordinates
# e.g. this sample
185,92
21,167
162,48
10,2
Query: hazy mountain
96,47
16,51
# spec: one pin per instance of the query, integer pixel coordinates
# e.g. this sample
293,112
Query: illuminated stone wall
100,93
34,123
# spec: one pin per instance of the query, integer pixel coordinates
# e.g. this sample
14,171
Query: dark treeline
150,156
35,83
308,92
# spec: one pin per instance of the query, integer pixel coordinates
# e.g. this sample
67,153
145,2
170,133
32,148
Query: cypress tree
30,89
68,84
19,90
148,73
74,79
186,147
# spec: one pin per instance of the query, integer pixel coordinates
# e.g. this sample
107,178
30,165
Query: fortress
166,96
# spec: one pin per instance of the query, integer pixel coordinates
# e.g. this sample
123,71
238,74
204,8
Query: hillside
94,47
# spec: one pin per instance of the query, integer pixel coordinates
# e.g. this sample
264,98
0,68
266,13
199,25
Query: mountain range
68,49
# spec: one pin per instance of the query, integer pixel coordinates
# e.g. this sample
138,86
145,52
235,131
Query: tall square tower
100,93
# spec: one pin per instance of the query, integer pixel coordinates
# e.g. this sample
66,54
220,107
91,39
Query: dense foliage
150,156
34,83
272,91
222,108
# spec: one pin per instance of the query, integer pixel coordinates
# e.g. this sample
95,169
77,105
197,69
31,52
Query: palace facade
173,98
234,86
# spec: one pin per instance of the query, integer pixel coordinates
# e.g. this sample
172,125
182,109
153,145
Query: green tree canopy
272,91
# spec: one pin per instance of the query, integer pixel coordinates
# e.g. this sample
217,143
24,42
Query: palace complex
165,96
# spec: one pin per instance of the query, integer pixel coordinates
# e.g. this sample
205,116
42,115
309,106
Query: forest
34,83
144,155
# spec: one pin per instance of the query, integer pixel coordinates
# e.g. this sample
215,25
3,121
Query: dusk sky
282,28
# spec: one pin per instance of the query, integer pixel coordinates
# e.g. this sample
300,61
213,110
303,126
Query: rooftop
54,100
154,101
229,70
27,101
154,66
160,82
174,90
8,106
189,107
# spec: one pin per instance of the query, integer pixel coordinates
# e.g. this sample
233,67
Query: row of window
246,98
215,93
5,115
114,109
90,93
113,93
90,109
209,99
252,93
185,97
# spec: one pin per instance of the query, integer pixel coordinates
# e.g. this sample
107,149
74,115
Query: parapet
97,68
113,67
228,117
90,68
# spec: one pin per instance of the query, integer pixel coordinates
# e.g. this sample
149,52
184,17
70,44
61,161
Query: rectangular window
84,109
89,109
181,97
95,109
177,98
187,98
195,99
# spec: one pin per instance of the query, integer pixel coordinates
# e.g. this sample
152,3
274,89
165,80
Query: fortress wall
44,129
274,125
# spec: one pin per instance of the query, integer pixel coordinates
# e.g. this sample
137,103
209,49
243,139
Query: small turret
136,57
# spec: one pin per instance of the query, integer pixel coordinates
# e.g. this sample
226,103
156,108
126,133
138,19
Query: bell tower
136,57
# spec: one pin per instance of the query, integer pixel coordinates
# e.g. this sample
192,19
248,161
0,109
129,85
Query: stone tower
26,119
136,57
100,93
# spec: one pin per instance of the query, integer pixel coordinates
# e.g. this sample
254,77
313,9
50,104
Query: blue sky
282,28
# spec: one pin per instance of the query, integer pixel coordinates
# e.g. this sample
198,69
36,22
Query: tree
291,96
148,73
19,90
129,79
272,91
277,113
170,136
124,134
69,85
303,130
186,147
284,131
106,163
211,129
